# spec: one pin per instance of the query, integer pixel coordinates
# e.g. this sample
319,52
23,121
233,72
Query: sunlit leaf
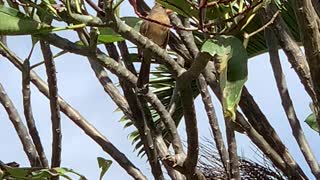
13,22
104,165
312,122
107,35
232,69
39,174
181,7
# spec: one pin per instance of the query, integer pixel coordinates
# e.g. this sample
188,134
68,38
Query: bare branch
168,121
106,82
3,39
292,50
184,86
217,135
80,121
108,63
258,120
126,57
247,36
140,121
186,36
308,21
232,149
288,105
54,106
165,116
26,94
20,128
143,119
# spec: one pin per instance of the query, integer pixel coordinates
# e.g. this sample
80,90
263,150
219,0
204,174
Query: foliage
37,173
311,121
232,69
231,31
104,165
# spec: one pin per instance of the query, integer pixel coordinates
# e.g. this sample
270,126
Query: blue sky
80,88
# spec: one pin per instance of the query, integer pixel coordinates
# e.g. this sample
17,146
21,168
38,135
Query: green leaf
107,35
104,164
180,7
55,172
133,135
232,69
18,172
312,122
13,22
39,174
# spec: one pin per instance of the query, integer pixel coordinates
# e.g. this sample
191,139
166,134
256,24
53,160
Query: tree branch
232,149
108,63
217,135
20,128
54,106
143,120
26,94
258,120
308,21
293,52
184,86
80,121
288,105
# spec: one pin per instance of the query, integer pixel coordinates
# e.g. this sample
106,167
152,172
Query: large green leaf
107,35
232,68
13,22
312,122
181,7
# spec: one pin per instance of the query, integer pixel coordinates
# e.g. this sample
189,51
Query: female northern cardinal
159,34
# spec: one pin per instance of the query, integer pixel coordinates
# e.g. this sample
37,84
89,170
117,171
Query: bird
156,32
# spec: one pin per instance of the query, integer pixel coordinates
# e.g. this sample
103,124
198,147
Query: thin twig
54,106
106,82
248,36
20,128
217,135
26,94
122,45
42,62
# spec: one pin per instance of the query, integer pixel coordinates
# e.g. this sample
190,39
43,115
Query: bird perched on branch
159,34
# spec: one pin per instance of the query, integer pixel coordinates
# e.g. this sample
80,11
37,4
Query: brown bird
159,34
